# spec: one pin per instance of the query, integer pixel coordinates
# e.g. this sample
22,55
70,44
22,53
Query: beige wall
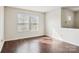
54,29
64,18
53,22
77,19
10,24
1,22
1,27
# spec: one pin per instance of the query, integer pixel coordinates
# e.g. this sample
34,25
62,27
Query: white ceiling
36,8
74,8
45,8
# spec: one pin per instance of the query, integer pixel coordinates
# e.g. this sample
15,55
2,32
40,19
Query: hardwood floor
39,45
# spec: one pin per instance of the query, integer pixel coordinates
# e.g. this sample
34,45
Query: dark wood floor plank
39,45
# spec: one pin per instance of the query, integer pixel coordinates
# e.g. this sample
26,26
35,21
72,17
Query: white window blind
27,22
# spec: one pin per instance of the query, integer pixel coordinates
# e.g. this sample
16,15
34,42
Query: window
34,23
26,22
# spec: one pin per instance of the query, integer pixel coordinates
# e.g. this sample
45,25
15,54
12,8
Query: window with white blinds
27,22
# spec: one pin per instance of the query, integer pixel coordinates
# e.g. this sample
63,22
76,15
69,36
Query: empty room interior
39,29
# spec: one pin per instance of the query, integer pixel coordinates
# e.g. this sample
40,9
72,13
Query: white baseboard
57,38
23,38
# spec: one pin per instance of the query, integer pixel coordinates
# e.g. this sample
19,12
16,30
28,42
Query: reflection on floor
39,45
